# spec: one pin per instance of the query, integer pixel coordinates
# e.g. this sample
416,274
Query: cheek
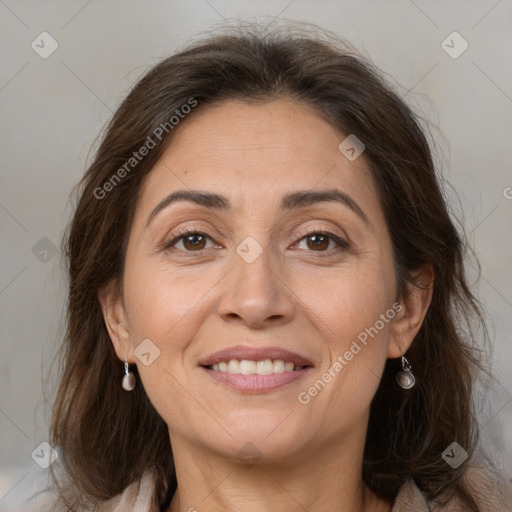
160,301
169,308
164,307
347,312
348,301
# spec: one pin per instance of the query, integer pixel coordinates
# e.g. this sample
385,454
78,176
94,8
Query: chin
267,439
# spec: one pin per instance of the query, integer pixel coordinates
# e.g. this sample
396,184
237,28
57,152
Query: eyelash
343,245
167,246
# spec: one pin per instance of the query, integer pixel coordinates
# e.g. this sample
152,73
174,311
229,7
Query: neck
314,480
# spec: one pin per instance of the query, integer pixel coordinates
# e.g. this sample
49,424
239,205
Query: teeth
246,367
265,367
234,366
278,366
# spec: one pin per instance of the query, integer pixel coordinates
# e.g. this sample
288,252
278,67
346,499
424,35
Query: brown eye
319,242
192,241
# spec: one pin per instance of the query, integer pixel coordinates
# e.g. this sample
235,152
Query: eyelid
340,239
188,230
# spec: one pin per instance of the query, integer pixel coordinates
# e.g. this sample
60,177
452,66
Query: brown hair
96,423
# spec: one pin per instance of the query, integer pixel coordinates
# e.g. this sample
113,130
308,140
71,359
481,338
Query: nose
256,293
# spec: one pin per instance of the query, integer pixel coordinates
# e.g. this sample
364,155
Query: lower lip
257,383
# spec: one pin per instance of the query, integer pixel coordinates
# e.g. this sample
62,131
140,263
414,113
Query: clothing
36,495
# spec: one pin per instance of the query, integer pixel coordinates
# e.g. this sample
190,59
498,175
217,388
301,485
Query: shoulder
36,492
491,492
410,499
137,496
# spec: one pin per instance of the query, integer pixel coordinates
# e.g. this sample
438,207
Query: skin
307,298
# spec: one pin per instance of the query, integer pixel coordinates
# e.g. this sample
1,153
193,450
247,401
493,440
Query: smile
255,369
247,367
255,376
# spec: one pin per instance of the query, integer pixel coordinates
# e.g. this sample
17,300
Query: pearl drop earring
129,378
405,377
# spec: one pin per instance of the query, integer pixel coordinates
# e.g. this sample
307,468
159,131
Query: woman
268,307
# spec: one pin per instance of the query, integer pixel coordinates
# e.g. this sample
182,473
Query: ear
409,319
114,314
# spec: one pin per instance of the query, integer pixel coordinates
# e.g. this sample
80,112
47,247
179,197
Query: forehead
276,128
255,153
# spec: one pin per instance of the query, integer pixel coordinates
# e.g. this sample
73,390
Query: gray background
53,109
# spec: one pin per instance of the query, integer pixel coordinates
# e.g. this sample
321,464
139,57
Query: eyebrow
289,202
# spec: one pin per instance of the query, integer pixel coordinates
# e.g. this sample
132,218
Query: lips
241,352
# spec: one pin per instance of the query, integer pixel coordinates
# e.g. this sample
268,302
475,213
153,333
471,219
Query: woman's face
266,264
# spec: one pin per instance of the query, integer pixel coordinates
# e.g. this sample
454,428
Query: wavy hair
95,423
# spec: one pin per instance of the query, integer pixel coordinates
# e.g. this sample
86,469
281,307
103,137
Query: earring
405,377
129,378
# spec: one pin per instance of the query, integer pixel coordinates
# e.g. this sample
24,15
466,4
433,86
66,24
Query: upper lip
254,354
